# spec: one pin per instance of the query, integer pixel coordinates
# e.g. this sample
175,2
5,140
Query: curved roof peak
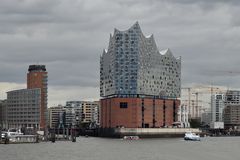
166,52
149,36
135,26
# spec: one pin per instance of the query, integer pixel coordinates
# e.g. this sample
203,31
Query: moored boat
131,138
14,132
191,136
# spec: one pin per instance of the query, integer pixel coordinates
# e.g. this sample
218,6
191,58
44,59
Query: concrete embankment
146,132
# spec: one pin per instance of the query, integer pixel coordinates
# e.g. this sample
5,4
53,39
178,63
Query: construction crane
232,73
229,73
195,109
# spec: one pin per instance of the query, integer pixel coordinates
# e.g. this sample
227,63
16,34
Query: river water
210,148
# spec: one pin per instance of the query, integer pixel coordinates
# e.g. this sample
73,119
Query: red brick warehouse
138,112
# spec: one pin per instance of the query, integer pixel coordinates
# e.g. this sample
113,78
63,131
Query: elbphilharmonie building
139,84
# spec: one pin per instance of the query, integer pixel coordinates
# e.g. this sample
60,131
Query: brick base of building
138,112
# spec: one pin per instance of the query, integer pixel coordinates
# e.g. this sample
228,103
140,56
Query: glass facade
132,65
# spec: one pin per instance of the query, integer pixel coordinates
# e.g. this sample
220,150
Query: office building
218,104
55,118
3,114
232,97
206,119
89,110
23,108
37,78
73,104
231,113
232,116
74,113
28,107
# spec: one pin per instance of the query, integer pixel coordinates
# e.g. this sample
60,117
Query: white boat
14,132
131,138
191,136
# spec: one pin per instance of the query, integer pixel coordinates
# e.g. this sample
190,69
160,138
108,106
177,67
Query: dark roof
37,68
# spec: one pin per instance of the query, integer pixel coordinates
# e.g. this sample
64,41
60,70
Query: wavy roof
149,38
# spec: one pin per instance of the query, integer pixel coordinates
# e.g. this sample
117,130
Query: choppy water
210,148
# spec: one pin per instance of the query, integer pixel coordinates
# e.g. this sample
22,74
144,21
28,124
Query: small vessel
189,136
131,138
14,132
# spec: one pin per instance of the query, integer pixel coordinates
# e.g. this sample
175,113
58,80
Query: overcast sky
68,36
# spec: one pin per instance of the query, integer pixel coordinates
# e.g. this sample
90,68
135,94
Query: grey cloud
11,72
69,36
27,7
232,2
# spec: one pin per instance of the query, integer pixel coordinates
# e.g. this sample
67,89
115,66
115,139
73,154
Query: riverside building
54,116
28,107
37,78
139,84
231,113
218,104
74,113
23,108
232,116
3,114
88,110
217,107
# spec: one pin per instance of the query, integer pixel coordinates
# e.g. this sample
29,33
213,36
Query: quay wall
146,132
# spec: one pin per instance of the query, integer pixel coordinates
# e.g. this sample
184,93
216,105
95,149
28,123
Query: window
123,105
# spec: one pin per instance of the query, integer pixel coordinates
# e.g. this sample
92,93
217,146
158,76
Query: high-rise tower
37,78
